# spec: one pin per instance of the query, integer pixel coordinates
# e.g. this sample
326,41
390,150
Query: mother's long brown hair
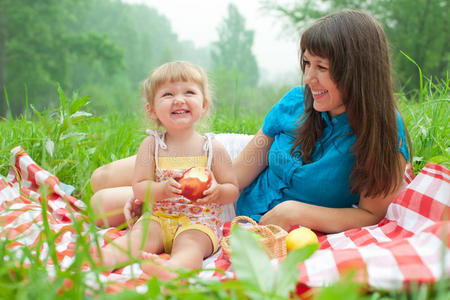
359,62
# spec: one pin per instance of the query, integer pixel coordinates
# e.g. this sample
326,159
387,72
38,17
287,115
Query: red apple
194,182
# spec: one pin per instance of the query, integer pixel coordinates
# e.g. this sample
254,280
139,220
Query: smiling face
178,105
325,93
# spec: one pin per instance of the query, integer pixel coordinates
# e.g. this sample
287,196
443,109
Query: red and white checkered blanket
411,244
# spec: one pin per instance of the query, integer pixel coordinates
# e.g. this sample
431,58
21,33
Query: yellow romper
178,214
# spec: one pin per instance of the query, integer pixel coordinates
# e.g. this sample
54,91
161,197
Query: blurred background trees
105,48
233,51
419,28
234,67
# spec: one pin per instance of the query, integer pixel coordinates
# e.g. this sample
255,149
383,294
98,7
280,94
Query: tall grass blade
421,88
26,102
237,99
7,104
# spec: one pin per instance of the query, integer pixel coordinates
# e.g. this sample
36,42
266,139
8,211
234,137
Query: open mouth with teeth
180,112
318,94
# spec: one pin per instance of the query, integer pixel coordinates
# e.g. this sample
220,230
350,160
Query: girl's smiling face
325,93
178,105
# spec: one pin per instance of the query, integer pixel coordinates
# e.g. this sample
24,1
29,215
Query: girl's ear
150,111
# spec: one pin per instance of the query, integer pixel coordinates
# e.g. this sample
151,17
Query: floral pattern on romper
205,214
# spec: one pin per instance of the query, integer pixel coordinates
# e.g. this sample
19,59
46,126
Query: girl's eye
190,93
167,94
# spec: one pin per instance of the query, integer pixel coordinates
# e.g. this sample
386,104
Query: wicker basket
273,237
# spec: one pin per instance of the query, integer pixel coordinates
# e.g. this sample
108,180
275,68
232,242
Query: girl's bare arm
144,185
224,188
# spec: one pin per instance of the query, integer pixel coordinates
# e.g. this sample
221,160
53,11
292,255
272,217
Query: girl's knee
96,201
98,178
97,207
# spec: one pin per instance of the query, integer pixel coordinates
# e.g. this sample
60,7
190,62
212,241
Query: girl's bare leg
188,251
129,245
111,185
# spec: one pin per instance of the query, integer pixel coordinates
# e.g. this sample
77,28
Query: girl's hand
171,186
132,210
211,194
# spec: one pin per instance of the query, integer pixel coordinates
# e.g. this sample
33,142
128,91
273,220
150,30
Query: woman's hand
285,215
132,210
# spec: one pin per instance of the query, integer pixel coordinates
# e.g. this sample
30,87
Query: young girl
177,97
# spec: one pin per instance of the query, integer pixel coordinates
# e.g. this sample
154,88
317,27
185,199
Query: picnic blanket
411,244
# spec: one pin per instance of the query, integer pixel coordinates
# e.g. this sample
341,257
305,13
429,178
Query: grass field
70,142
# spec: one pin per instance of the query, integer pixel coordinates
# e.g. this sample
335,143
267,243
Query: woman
330,155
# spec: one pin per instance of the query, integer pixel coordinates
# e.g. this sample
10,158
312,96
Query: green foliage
234,68
244,104
428,124
232,54
102,48
420,30
40,47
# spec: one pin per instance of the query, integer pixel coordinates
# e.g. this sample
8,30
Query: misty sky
275,52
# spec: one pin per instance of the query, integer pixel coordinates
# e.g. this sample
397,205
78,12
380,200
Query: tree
146,40
101,48
2,57
40,44
233,51
420,29
422,32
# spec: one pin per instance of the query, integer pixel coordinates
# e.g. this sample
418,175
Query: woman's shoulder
292,101
296,90
291,104
285,113
294,95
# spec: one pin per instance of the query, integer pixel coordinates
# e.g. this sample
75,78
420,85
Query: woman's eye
306,62
323,68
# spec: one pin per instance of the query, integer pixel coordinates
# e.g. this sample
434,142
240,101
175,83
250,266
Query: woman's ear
150,111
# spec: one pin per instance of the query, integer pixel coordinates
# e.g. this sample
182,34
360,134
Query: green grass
71,145
427,120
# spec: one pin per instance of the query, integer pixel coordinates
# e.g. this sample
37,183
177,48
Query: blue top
324,182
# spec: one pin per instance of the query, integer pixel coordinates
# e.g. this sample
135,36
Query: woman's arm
106,176
330,220
252,160
144,175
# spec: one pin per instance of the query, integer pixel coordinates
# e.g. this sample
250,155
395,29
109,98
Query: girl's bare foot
156,266
109,256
